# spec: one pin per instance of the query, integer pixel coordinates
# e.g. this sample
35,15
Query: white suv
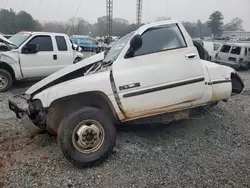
234,55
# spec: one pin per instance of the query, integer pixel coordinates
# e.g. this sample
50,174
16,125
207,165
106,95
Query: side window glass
245,51
61,43
236,50
225,49
44,43
166,37
216,46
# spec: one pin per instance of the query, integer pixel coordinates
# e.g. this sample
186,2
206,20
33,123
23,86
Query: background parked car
34,55
234,55
85,42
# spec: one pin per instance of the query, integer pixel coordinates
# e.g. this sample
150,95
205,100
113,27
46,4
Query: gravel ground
211,150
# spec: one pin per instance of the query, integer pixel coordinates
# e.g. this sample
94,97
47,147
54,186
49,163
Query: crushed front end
31,112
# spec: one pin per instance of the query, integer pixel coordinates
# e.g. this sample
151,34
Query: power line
38,9
7,1
167,13
149,12
75,16
21,7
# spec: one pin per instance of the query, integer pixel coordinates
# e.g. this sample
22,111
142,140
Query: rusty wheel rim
88,136
3,81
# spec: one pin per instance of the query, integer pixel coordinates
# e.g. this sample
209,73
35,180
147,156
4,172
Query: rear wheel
245,67
5,80
86,137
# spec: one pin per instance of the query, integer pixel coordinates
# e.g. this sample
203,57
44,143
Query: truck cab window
44,43
61,43
167,37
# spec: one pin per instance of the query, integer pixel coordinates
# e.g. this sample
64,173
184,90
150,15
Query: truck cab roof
165,22
43,33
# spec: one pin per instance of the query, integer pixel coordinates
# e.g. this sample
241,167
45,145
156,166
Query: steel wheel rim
88,136
3,81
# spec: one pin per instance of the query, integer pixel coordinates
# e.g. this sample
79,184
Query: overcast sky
90,10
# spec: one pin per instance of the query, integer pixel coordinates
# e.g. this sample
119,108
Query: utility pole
138,13
109,4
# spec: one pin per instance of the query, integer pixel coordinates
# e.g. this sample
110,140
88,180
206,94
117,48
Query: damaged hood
4,40
67,70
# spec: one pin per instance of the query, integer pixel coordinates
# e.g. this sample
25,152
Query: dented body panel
11,58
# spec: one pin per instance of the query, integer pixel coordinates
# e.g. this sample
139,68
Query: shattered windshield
19,38
117,48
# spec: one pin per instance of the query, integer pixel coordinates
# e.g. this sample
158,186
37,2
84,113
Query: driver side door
165,72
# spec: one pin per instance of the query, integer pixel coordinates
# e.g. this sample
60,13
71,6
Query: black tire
245,67
51,131
8,78
67,128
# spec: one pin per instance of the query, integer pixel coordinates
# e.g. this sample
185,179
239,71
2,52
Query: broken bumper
29,125
32,114
19,105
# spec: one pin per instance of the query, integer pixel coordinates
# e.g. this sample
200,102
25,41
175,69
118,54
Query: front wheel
86,137
5,80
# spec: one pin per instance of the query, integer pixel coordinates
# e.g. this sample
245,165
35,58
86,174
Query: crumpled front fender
48,81
96,82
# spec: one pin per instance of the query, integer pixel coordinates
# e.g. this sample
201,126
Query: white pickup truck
33,55
152,74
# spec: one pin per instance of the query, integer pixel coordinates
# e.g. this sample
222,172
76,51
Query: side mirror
135,44
30,49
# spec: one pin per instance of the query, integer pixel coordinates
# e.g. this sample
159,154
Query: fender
218,73
97,82
221,81
11,58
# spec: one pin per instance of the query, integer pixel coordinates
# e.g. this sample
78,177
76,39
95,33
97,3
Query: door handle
55,57
191,56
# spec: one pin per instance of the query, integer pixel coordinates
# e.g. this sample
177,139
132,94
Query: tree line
12,22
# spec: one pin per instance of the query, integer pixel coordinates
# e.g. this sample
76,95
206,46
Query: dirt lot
211,150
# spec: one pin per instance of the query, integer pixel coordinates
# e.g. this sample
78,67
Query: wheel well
66,105
237,84
76,60
8,68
